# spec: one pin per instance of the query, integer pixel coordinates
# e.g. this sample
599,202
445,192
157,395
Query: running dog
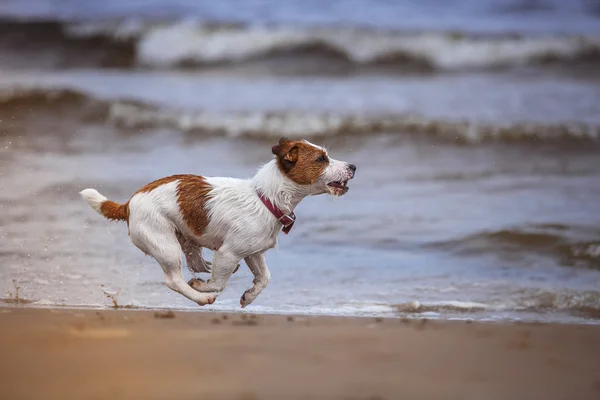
235,218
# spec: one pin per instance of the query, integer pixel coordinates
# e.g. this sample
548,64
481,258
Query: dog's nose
352,167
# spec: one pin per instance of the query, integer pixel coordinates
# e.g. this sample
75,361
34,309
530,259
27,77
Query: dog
238,219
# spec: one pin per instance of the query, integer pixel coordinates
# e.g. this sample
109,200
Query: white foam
364,308
45,302
438,307
166,46
127,29
274,124
169,45
558,300
591,250
307,124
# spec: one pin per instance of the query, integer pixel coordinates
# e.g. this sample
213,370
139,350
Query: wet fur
186,213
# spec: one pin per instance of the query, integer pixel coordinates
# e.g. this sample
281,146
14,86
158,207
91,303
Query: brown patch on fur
159,182
300,161
115,211
191,196
192,192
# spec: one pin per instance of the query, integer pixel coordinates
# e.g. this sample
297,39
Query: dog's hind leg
193,255
158,239
258,266
224,265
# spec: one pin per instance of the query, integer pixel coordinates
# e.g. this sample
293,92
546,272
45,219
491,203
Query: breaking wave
584,304
51,44
313,124
131,114
571,246
17,97
193,43
416,307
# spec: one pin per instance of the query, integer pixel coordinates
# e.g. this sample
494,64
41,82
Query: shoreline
74,353
400,315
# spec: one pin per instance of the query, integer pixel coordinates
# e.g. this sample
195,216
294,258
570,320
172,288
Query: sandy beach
474,126
123,354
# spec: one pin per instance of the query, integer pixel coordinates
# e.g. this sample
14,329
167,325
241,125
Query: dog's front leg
224,264
258,266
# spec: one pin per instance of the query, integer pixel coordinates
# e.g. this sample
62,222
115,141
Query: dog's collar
287,220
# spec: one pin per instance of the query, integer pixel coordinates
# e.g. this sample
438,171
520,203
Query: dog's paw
196,283
208,299
246,300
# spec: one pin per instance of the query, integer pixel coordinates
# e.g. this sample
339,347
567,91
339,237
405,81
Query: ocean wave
20,104
313,124
132,114
585,255
584,304
24,99
19,97
193,43
51,44
571,246
416,307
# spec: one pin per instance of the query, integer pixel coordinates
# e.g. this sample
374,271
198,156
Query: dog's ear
282,147
287,153
291,155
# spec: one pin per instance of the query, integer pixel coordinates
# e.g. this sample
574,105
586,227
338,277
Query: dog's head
309,165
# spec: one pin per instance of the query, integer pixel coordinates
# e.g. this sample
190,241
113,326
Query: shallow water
444,225
478,181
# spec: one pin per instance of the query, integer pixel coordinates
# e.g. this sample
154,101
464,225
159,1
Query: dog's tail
109,209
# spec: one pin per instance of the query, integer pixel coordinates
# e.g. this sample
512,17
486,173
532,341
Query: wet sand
81,354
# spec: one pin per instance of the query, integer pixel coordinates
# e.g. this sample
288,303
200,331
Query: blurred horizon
519,16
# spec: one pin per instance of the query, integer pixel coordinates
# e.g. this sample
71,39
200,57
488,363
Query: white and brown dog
235,218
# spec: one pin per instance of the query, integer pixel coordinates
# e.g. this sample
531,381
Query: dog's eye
322,158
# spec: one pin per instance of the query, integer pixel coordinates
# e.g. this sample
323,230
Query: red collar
287,220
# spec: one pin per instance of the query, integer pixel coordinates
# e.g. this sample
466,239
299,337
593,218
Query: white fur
93,198
240,227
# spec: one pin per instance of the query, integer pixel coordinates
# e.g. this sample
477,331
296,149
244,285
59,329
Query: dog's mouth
338,188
